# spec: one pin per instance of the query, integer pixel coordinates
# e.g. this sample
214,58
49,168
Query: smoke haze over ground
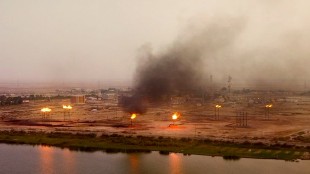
271,57
264,46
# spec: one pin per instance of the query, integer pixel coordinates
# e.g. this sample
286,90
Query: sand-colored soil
289,121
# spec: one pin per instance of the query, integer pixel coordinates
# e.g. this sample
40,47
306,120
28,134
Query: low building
110,94
177,100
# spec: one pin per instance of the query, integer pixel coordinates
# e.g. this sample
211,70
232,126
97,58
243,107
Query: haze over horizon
72,41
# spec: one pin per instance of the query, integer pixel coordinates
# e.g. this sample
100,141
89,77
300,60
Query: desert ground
288,122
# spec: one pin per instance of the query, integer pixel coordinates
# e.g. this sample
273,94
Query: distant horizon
72,84
272,84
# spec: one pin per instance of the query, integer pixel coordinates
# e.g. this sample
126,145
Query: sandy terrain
288,120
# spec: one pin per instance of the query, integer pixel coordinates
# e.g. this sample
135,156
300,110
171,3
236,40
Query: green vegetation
117,143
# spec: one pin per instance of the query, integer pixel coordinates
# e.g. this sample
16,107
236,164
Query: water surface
24,159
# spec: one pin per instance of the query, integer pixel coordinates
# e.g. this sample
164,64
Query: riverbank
119,143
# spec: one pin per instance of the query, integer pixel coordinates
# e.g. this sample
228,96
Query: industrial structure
78,99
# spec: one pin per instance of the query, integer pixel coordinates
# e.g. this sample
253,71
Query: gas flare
46,110
133,116
66,107
175,116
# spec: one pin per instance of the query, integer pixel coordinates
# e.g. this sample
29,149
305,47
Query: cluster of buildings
4,100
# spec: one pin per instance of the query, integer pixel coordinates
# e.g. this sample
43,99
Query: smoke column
180,68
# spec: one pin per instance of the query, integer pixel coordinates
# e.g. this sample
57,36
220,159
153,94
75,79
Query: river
26,159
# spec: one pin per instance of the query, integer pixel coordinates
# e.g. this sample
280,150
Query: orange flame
175,116
218,106
133,116
66,107
46,110
269,106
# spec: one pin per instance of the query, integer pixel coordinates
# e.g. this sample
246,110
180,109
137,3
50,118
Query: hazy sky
80,40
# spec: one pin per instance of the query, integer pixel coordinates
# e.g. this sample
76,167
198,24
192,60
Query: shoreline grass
131,144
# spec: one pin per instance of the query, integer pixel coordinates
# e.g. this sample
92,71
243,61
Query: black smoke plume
161,76
178,70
